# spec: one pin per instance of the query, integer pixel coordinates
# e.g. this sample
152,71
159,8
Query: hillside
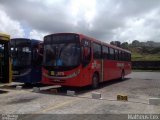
141,51
145,57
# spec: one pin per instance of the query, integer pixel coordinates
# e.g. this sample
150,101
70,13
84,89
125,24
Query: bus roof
97,41
32,40
5,37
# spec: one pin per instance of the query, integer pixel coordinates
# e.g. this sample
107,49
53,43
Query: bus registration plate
52,73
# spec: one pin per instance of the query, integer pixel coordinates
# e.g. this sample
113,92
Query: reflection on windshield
21,55
65,55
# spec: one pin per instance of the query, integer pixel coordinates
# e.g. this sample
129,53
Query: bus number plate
52,73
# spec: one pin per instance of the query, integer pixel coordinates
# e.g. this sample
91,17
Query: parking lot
138,86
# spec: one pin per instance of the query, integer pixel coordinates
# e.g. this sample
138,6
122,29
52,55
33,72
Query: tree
112,43
125,45
135,43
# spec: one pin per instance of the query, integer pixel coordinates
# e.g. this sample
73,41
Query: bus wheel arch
95,80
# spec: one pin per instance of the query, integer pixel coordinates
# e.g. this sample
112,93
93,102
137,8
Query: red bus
72,59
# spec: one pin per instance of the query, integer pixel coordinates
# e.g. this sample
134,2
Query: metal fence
146,65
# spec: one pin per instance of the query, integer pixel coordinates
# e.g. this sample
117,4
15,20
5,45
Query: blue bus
27,55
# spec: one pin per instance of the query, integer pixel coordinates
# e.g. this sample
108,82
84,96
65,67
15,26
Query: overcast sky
106,20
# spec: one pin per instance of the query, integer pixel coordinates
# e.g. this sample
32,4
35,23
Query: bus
27,60
76,60
5,60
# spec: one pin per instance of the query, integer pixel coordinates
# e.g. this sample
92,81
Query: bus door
98,62
105,63
86,59
4,62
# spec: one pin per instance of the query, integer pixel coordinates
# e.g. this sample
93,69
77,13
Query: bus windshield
62,54
21,53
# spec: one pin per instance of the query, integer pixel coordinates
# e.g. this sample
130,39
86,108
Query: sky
105,20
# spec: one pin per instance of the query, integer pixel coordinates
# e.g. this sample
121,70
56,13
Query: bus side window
129,57
120,55
112,56
124,56
86,52
105,52
116,54
97,51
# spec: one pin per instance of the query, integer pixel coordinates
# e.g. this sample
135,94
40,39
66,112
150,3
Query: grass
145,57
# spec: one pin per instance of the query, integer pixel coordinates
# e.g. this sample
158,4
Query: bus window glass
105,52
111,50
120,55
129,57
65,54
116,55
123,56
21,53
96,51
86,52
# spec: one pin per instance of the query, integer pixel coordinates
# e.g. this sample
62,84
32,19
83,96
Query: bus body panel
34,76
113,69
65,78
22,79
85,76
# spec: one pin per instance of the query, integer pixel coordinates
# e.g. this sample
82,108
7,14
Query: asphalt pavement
138,86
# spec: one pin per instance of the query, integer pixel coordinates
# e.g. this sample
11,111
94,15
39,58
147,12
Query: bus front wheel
95,81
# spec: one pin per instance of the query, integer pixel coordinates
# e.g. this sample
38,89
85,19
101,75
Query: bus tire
122,75
95,81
